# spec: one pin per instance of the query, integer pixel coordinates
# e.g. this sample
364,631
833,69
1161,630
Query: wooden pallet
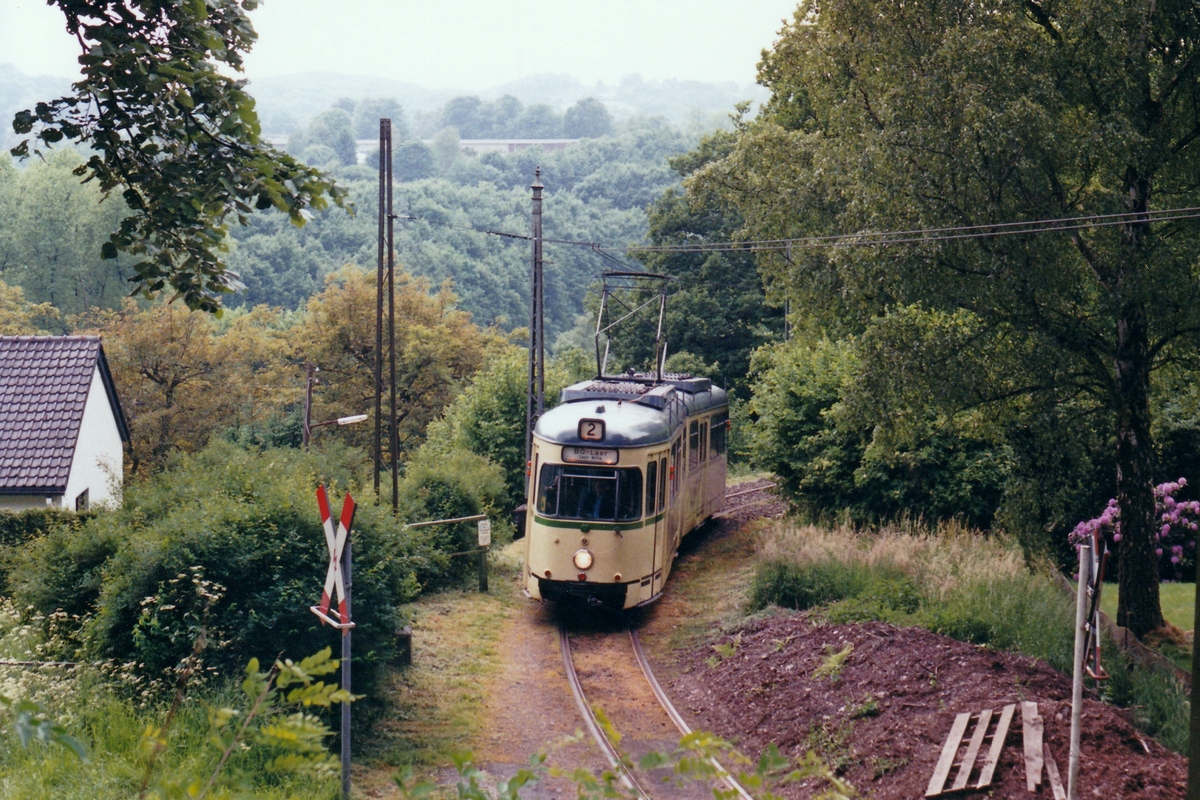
1036,752
982,722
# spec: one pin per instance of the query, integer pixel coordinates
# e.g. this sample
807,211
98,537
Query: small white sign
485,533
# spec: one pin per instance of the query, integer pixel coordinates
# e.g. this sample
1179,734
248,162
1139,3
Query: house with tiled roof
62,430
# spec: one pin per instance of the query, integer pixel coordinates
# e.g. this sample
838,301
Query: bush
833,466
229,540
448,485
804,586
20,528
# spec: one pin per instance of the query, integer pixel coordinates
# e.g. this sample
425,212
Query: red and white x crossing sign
334,580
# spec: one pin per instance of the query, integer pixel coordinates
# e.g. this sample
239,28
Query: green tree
501,116
414,161
21,318
183,379
538,121
175,135
367,114
446,149
462,114
719,312
333,129
899,116
438,349
587,119
51,230
488,416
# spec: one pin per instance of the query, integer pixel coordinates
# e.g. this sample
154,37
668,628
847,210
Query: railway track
621,765
757,495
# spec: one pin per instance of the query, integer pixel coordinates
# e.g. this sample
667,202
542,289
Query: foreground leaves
273,722
31,723
177,138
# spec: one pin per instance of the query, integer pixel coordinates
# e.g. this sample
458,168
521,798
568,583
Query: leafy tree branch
176,136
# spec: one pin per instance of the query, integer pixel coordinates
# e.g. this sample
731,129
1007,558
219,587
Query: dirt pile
882,717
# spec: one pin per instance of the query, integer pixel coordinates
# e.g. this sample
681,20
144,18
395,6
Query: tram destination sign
589,455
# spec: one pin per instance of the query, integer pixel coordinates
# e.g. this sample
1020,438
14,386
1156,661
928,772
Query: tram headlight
583,558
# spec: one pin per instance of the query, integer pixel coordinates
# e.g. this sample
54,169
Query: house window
81,501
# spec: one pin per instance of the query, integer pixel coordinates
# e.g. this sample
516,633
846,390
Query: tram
621,470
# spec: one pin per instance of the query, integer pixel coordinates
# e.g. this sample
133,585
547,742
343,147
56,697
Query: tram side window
703,441
662,485
693,445
590,493
629,494
718,433
651,487
675,466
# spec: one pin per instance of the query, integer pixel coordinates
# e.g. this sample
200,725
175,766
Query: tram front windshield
603,494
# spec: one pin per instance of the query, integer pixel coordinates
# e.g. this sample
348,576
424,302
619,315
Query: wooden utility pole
385,146
535,404
391,271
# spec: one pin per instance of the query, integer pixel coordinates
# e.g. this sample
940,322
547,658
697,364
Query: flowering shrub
1175,539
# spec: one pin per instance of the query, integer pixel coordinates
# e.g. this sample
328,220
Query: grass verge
436,706
1178,603
954,582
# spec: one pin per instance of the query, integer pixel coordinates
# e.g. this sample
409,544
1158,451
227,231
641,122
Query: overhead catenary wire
856,239
924,235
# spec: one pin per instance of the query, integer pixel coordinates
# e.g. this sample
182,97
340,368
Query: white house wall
20,502
98,463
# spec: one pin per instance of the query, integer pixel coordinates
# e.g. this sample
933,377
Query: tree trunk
1139,608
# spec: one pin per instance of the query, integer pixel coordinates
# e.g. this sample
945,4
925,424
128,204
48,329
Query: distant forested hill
596,190
288,102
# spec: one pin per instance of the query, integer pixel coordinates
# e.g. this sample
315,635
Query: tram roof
638,411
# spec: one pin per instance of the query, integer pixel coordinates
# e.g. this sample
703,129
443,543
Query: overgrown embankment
973,588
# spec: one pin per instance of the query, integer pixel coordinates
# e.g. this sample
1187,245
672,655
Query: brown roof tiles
44,382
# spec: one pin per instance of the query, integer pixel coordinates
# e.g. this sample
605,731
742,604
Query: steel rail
684,729
589,719
751,504
762,488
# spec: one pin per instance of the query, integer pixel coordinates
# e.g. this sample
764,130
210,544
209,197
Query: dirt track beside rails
918,681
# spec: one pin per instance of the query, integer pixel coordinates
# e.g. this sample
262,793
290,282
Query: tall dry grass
941,559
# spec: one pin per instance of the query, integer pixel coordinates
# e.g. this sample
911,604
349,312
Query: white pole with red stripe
338,584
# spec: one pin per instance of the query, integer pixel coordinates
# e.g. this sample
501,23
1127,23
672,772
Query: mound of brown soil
882,720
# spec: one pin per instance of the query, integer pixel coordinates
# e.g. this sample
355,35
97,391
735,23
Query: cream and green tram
621,470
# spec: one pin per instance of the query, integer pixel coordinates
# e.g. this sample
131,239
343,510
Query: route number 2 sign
591,430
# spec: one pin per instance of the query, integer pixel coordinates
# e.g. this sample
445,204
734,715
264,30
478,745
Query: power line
925,235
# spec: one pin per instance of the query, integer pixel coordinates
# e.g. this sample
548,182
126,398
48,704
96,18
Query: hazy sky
465,44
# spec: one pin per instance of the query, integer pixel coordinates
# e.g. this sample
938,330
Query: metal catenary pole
347,563
385,135
1193,791
1081,603
535,402
541,290
391,261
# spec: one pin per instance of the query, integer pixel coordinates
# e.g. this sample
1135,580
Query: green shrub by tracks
229,540
969,587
